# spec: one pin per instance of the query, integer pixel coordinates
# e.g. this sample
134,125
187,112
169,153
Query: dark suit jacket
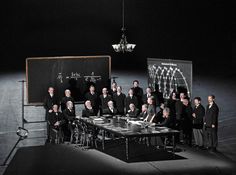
119,102
49,102
158,97
87,112
108,111
138,92
166,122
54,117
133,114
104,101
187,118
130,100
143,115
200,113
211,116
69,115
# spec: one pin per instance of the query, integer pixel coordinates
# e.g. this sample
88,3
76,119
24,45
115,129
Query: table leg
103,140
127,148
173,142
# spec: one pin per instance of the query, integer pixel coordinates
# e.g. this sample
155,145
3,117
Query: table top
127,127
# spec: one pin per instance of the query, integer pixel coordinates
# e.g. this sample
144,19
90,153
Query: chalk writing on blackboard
92,78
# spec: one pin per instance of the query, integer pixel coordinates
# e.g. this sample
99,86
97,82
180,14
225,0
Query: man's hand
194,115
213,126
50,111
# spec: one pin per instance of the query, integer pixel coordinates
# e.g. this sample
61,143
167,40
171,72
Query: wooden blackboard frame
59,57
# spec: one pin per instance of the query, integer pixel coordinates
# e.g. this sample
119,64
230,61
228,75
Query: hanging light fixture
123,46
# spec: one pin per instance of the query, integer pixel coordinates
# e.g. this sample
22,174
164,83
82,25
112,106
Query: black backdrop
199,31
74,73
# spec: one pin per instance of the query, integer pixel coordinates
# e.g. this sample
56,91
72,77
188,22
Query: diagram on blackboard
169,76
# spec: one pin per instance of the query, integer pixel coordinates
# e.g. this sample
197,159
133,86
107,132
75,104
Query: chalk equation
76,76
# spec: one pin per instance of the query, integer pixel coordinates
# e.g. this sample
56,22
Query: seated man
110,110
151,117
69,117
55,120
166,118
88,109
65,99
144,112
133,111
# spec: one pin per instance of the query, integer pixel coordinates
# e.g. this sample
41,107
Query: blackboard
170,75
76,73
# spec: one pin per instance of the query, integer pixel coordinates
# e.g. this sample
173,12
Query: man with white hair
110,110
88,109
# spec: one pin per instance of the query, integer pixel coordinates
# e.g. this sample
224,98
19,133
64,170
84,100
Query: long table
121,126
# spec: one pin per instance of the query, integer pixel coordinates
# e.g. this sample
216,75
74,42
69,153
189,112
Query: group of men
176,112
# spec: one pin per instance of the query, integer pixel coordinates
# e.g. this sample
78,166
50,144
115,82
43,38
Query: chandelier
123,45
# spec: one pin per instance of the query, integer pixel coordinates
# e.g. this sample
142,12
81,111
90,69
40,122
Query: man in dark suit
198,114
187,121
133,111
88,109
49,100
158,96
138,92
166,121
67,98
144,112
130,99
211,123
104,99
93,98
119,101
110,110
69,117
55,121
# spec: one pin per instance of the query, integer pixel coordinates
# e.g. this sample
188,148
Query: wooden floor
221,85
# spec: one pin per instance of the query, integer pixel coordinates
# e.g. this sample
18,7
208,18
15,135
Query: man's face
174,96
55,108
181,95
210,99
110,104
88,104
149,100
70,104
165,113
92,89
67,93
196,102
104,91
148,90
131,106
185,102
118,89
131,92
51,90
136,84
144,109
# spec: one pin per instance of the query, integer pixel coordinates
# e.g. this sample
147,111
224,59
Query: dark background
200,31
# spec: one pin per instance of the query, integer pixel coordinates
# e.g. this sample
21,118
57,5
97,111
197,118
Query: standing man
49,100
211,124
138,92
198,114
104,99
119,100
